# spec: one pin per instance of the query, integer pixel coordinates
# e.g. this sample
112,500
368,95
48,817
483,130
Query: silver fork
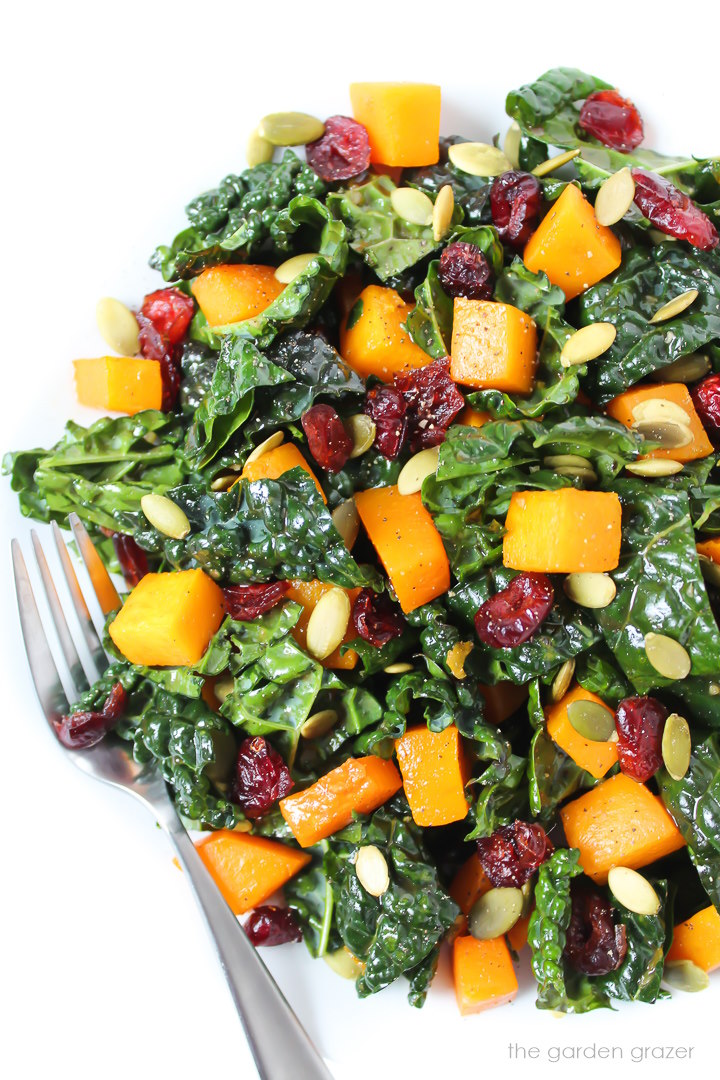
280,1045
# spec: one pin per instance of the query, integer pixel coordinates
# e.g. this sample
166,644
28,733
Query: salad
411,477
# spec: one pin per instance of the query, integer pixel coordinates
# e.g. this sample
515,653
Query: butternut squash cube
562,532
483,974
470,417
248,869
698,940
126,384
168,619
272,464
373,338
597,758
229,294
307,593
621,409
402,120
469,884
571,246
494,346
435,770
710,549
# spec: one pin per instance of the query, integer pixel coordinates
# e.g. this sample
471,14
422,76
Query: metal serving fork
280,1045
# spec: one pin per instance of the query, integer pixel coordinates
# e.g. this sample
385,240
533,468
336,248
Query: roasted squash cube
272,464
248,869
402,121
307,594
483,974
621,408
435,770
494,346
124,384
597,758
229,294
373,338
698,940
562,532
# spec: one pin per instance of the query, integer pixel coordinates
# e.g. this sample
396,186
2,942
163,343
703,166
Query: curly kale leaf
694,803
501,796
549,923
310,895
606,444
552,776
648,938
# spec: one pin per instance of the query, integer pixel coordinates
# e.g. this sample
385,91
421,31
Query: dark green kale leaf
606,444
597,672
310,895
197,364
648,938
548,926
694,803
501,796
552,776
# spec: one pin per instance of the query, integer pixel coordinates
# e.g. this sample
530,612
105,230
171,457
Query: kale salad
411,476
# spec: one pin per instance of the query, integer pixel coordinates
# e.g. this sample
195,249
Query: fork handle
280,1045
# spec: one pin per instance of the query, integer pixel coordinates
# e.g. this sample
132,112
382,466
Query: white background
114,115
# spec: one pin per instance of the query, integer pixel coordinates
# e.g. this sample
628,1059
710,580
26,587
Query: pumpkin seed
675,306
587,343
258,150
443,211
328,623
687,369
554,163
223,688
412,205
615,197
659,237
572,460
417,469
589,589
591,720
667,433
633,891
347,522
372,870
223,482
561,682
344,964
676,745
669,658
165,516
290,128
271,443
511,144
494,913
319,724
118,326
292,268
686,976
457,656
361,430
654,467
585,476
478,159
661,409
714,689
243,827
401,668
710,570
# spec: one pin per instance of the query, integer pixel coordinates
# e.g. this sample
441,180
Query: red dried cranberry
132,558
513,615
640,722
706,399
328,441
433,401
595,943
673,212
83,729
386,407
612,120
261,777
170,311
513,853
155,346
515,206
245,602
271,925
375,619
464,271
343,151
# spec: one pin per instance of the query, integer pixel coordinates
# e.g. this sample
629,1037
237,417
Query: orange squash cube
435,771
229,294
517,935
571,246
248,869
621,409
307,594
373,338
619,822
562,532
273,463
402,121
698,940
597,758
124,384
710,549
483,974
470,417
469,884
168,619
494,346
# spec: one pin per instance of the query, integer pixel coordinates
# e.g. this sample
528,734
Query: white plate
116,116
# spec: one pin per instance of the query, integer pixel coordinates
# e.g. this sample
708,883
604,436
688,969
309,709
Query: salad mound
411,480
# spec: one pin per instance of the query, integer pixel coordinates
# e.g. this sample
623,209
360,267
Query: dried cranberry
261,777
515,206
83,729
386,407
271,925
464,271
671,211
155,346
245,602
706,399
595,943
132,558
433,401
343,151
170,311
640,722
513,615
375,619
328,441
612,120
513,853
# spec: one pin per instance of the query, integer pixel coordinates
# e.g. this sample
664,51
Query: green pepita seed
319,724
258,150
292,268
361,430
412,205
633,891
675,306
710,570
401,668
615,197
654,467
346,520
478,159
659,237
118,326
571,460
372,871
417,469
511,144
591,720
290,128
584,476
676,746
165,516
554,163
271,443
223,482
686,976
687,369
714,689
587,343
561,682
668,434
443,212
495,913
658,408
223,688
589,589
328,623
669,658
344,964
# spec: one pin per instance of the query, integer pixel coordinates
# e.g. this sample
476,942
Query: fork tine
63,630
86,624
42,666
107,594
